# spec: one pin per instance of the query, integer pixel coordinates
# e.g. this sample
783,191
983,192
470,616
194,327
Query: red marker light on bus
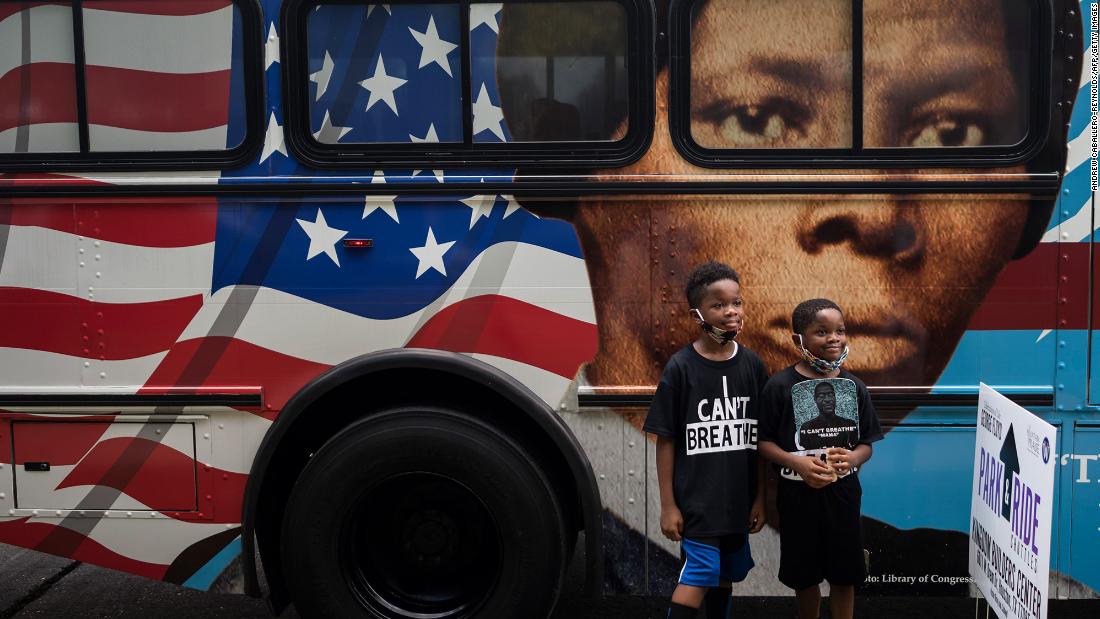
358,243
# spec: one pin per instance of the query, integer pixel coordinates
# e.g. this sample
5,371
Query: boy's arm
672,521
844,460
757,515
810,469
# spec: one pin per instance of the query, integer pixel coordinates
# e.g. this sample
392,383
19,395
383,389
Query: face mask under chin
819,365
721,336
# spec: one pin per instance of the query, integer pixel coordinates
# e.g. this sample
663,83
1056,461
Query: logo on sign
1046,450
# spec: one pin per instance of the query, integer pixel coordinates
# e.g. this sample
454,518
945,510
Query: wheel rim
421,545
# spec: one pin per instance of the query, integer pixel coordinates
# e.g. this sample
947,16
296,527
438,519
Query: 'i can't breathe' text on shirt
709,408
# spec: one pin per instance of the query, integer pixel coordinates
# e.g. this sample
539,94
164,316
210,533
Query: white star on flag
330,133
322,238
430,255
433,48
480,206
432,136
386,203
322,76
481,13
487,117
381,87
371,7
273,140
437,173
513,206
271,47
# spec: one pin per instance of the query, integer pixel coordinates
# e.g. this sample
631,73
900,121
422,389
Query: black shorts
819,534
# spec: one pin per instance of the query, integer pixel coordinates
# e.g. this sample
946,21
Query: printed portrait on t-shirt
825,414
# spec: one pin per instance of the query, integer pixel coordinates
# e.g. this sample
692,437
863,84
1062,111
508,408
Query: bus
361,307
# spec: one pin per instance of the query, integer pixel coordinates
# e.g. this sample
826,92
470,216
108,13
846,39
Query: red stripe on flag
7,9
163,102
214,363
60,444
50,97
68,325
503,327
57,540
149,222
158,7
154,474
146,222
1027,293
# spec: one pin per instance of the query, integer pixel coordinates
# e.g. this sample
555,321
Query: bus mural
279,275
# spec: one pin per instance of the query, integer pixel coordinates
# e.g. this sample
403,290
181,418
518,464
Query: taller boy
704,415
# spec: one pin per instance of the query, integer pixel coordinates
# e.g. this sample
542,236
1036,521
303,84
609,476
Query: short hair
806,311
824,384
704,275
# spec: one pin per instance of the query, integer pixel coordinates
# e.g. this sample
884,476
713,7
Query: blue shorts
711,560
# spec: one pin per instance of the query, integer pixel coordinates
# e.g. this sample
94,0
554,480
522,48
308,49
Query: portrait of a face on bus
777,75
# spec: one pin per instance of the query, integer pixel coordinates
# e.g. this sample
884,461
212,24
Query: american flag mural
213,294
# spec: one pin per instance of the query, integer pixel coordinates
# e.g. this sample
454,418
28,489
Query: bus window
793,59
575,87
370,84
778,82
425,84
160,82
37,82
128,84
966,89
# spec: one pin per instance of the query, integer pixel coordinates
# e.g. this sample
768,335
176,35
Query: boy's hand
672,523
756,516
814,472
840,459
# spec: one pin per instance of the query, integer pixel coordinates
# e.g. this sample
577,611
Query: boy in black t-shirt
817,425
704,415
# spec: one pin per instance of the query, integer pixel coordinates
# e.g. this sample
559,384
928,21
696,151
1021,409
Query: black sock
717,603
679,611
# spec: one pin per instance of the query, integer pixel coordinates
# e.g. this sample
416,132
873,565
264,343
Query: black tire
427,513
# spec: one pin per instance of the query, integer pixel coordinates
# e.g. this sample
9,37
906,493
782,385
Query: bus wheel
423,513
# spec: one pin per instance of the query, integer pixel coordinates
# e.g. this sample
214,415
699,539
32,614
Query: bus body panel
230,294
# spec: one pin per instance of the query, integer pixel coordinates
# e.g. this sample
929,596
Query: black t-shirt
809,415
709,408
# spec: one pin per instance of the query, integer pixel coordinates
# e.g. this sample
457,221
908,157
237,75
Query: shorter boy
817,425
704,415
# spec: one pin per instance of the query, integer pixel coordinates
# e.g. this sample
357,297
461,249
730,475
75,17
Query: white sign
1011,507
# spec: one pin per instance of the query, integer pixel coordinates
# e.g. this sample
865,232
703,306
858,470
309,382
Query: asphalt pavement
39,585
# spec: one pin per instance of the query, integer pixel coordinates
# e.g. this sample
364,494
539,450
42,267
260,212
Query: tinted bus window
370,82
771,73
157,77
945,74
37,82
573,86
927,78
374,84
160,80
